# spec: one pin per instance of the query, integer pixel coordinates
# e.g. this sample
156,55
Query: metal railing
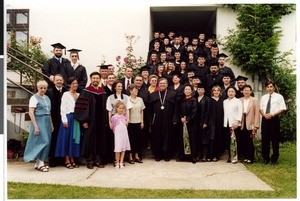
27,66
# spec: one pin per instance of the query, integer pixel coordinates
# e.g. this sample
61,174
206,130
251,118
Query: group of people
182,105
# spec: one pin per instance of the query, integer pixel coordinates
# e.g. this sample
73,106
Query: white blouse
246,103
67,106
135,111
233,111
111,102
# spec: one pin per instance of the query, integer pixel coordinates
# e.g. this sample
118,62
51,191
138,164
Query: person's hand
204,126
110,126
51,78
235,125
52,127
85,125
268,116
36,130
142,125
66,125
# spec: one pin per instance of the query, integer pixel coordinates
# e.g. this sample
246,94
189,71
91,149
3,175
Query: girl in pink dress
119,123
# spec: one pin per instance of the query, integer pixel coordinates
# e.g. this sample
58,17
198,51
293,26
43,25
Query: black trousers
270,134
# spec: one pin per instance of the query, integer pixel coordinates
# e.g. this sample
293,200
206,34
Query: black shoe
194,161
157,159
138,160
99,165
266,162
229,160
131,161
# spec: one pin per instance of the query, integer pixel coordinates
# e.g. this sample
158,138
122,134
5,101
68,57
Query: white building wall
98,27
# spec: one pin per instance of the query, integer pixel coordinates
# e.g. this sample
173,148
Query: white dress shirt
277,102
233,111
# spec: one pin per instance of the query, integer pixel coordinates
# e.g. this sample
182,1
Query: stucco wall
98,27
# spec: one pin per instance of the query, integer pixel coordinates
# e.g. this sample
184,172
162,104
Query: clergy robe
162,121
90,108
53,67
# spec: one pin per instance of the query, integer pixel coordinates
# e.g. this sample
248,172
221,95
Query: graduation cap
170,59
241,78
226,74
58,46
200,85
154,52
156,31
222,55
214,45
202,56
196,77
103,66
214,64
213,36
74,51
191,70
145,68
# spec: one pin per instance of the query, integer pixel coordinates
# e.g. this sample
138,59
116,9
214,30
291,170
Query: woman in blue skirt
68,140
38,143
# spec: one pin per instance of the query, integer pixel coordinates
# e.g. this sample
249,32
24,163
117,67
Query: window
17,21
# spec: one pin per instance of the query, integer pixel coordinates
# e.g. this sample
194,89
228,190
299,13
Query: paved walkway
150,175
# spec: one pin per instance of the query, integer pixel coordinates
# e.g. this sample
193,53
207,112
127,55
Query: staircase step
25,107
17,101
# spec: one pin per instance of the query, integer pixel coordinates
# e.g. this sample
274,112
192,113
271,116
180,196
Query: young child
119,123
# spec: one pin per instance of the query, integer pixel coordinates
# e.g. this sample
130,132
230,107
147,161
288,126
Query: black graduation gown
53,67
202,117
162,121
227,70
90,108
212,80
216,118
55,98
81,75
202,72
188,109
145,95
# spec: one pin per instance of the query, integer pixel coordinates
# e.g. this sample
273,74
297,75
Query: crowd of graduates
185,104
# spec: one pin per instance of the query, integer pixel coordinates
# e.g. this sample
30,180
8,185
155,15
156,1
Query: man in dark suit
176,46
57,65
55,95
127,79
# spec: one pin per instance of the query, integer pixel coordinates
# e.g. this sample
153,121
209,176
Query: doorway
188,21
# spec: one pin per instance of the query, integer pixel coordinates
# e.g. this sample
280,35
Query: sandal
69,165
75,165
43,169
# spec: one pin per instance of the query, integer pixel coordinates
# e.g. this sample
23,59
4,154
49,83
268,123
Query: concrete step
17,101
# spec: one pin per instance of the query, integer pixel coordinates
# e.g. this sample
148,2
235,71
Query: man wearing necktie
127,79
271,106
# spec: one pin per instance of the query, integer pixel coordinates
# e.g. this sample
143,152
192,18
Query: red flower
126,59
8,44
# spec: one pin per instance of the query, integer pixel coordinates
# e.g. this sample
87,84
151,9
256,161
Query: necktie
128,83
268,106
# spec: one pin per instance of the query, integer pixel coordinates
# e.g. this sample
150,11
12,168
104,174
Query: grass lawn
282,178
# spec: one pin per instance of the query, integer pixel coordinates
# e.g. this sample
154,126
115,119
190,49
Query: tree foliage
254,48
